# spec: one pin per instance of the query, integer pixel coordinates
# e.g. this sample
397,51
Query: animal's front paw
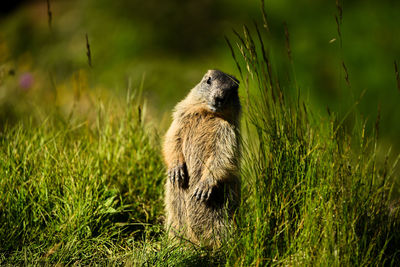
203,190
178,174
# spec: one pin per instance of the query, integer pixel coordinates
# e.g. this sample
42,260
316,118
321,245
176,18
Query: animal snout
235,86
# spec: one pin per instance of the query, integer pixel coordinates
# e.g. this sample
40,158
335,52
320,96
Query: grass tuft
313,193
75,191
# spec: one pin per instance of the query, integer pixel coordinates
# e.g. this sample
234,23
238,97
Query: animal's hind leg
206,223
175,212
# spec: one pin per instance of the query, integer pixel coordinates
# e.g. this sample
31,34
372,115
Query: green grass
313,191
79,189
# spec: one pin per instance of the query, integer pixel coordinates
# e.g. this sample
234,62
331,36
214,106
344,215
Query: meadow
82,175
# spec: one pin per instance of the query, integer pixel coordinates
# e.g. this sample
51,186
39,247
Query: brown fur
201,151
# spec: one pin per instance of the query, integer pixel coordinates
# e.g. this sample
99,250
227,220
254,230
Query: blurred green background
168,45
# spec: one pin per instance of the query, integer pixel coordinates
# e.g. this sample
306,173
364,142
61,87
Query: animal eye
209,80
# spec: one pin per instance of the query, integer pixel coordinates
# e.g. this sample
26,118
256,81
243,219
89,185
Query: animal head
219,90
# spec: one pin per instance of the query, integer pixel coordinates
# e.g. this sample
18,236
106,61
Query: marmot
201,152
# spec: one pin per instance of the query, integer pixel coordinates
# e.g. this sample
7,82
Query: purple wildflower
26,81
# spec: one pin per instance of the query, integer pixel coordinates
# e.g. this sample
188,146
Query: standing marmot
201,151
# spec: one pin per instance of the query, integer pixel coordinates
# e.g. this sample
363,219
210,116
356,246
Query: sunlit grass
313,192
73,190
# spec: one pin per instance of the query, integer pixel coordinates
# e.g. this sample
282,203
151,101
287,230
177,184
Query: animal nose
235,86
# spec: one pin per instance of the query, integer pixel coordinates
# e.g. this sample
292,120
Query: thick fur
201,152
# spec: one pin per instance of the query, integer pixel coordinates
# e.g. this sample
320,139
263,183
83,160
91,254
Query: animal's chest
199,144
